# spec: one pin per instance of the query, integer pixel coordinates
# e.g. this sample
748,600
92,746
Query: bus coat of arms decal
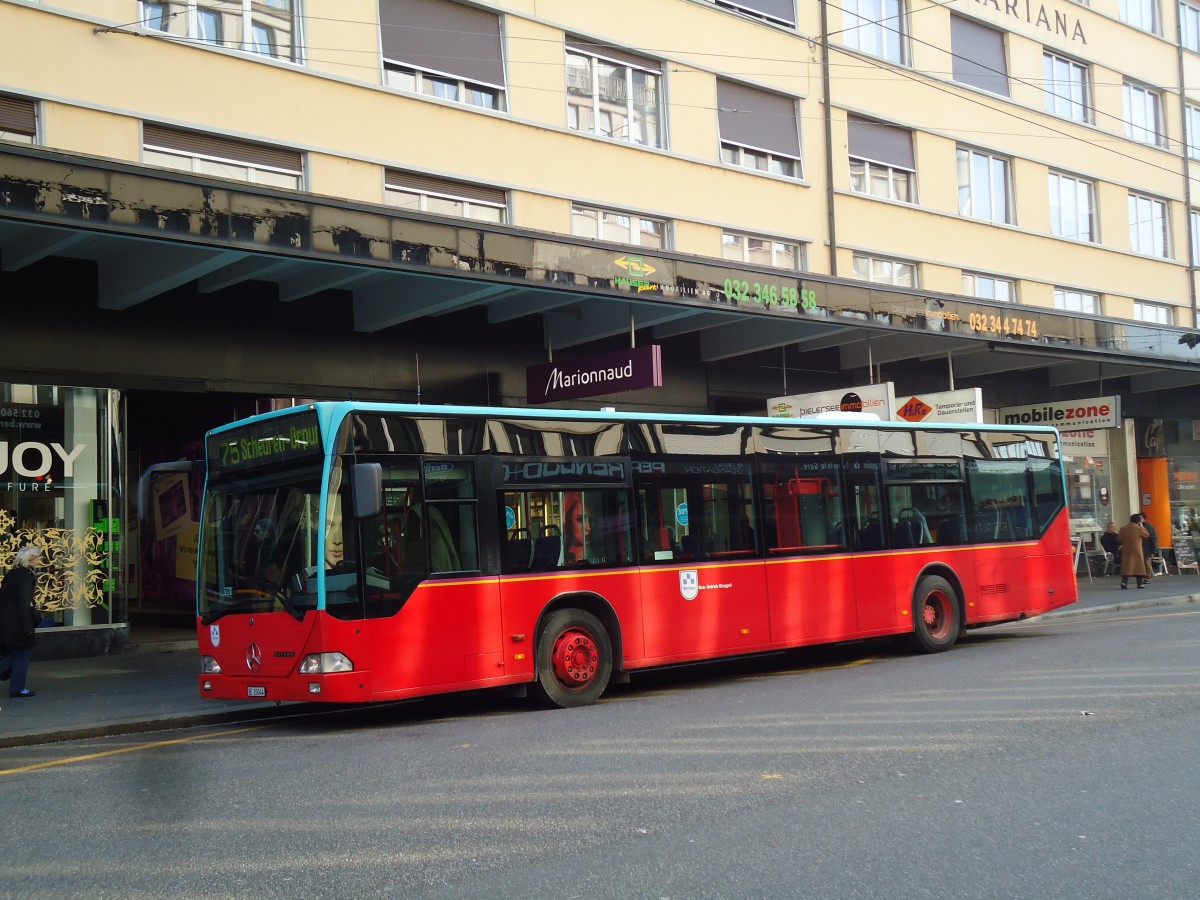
689,583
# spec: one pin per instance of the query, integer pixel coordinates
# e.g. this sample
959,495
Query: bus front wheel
937,616
574,659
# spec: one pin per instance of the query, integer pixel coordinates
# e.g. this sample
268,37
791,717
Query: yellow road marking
849,665
101,755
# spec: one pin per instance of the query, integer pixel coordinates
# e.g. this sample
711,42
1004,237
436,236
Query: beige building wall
99,86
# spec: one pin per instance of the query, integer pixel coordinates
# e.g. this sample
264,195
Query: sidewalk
153,686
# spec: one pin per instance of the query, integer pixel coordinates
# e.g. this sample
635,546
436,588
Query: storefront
1183,469
59,476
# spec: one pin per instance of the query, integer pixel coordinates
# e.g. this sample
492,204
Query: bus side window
804,505
863,502
450,523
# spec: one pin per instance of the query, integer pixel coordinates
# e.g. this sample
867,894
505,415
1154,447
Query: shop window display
56,462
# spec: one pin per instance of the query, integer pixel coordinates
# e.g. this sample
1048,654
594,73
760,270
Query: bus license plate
256,692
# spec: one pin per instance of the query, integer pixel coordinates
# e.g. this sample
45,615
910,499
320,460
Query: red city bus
355,552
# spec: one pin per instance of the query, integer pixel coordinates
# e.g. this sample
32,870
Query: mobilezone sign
1066,415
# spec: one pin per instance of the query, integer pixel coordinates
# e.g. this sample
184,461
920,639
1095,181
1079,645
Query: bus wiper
225,610
292,611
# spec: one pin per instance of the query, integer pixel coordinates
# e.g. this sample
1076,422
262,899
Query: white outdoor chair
1110,564
1158,565
1194,565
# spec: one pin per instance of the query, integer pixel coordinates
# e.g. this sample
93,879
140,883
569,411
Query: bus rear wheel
937,616
574,659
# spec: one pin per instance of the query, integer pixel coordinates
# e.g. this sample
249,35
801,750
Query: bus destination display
264,443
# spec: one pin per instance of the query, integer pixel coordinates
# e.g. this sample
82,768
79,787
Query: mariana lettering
1056,22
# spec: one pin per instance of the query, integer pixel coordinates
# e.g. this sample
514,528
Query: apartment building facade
210,206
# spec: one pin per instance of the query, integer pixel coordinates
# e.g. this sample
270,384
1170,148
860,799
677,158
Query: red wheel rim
936,615
575,658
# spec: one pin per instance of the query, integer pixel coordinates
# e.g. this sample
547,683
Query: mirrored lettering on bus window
565,528
695,509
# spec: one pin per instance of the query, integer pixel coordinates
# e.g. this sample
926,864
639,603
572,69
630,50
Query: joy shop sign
30,457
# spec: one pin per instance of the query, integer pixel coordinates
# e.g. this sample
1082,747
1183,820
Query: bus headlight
209,666
325,663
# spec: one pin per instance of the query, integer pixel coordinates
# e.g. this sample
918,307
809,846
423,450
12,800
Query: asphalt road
1045,759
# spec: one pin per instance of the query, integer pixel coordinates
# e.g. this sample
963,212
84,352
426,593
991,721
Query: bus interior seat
518,553
547,552
952,530
689,546
911,529
906,533
870,536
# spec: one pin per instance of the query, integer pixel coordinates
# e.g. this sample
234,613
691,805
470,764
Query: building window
885,271
881,160
877,27
758,130
207,154
18,120
264,28
762,251
618,227
1191,118
1143,114
422,193
1189,25
614,94
988,287
1076,301
1153,312
983,186
1195,218
444,50
782,12
1072,207
977,56
1141,14
1068,88
1148,226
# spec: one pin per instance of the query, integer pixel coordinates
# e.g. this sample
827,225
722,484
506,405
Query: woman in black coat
18,619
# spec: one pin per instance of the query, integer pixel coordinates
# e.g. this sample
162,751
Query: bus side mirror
368,490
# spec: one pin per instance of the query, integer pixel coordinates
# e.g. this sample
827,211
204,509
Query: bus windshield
260,547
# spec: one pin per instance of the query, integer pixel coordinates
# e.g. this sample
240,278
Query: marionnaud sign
879,399
588,376
1066,415
942,406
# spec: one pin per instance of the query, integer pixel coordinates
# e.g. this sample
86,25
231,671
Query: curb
1146,603
143,726
160,647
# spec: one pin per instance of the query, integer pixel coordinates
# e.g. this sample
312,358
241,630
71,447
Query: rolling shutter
978,56
441,37
777,10
426,184
876,142
18,116
194,143
759,119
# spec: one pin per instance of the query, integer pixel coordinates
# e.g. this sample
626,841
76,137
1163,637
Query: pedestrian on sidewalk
18,619
1132,560
1149,545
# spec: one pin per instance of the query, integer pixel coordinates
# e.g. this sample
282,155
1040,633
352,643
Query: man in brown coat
1132,561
